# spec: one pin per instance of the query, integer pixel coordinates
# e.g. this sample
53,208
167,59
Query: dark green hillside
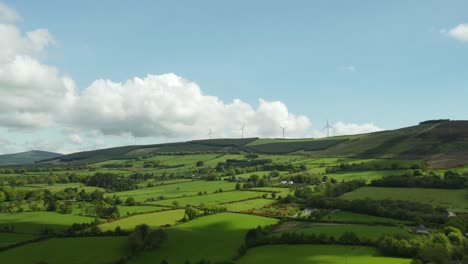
28,157
130,152
442,143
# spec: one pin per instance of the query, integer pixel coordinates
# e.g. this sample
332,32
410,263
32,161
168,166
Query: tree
238,186
142,238
130,201
435,253
200,163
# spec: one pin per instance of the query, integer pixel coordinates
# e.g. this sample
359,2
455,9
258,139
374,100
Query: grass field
247,205
314,254
138,209
364,232
364,175
76,250
34,222
152,219
343,216
215,237
211,199
176,190
12,238
452,199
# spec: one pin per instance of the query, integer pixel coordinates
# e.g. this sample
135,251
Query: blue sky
390,63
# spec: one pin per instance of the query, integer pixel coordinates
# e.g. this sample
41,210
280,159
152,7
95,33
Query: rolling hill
28,157
440,142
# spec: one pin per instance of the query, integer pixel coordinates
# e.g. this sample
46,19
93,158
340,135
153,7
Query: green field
124,210
249,204
364,232
176,190
364,175
211,199
34,222
343,216
76,250
215,237
152,219
314,254
12,238
451,199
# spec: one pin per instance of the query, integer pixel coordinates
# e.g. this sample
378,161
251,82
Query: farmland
305,254
223,232
364,232
233,201
455,200
151,219
67,250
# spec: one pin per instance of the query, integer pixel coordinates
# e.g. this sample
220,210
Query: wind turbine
242,130
284,129
327,127
210,133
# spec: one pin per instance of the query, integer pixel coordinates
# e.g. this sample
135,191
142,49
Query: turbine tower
327,127
284,129
210,133
242,130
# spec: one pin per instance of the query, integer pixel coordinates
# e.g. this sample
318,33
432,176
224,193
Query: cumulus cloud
169,105
7,14
34,95
459,32
341,128
75,139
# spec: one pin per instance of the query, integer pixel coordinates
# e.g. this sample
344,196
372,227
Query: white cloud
75,139
35,95
160,105
7,14
459,32
341,128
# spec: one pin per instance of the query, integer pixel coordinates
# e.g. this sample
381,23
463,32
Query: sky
81,75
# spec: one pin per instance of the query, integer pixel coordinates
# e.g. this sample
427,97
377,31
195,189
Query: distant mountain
28,157
441,143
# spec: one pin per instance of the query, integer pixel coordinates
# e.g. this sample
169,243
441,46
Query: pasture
175,190
151,219
312,254
364,232
12,238
92,250
451,199
248,205
343,216
211,199
34,222
214,237
368,176
124,210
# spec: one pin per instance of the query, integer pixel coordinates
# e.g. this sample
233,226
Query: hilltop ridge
440,142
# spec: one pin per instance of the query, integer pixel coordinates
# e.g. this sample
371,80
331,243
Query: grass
34,222
451,199
124,210
175,190
215,237
12,238
364,175
343,216
68,250
311,254
248,205
152,219
364,232
211,199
